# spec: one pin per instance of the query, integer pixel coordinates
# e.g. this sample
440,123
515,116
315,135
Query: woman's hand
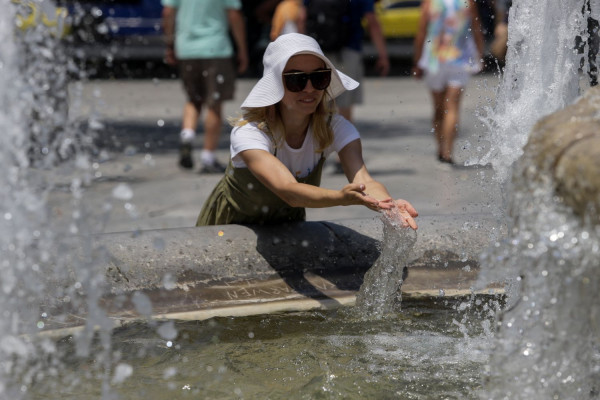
404,213
354,193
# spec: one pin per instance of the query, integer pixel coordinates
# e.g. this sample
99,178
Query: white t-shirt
300,161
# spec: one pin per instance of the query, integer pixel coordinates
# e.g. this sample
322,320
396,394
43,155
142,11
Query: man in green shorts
197,34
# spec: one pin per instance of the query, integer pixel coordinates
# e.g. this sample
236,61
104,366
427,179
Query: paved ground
138,179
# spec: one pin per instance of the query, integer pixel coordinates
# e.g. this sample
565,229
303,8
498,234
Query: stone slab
242,270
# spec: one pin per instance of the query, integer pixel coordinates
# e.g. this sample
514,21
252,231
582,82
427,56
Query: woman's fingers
354,192
403,212
408,219
401,215
405,205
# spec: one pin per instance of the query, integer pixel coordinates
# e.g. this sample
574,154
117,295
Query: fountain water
39,144
548,344
541,75
551,256
380,293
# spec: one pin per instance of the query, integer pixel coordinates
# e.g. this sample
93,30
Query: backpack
328,21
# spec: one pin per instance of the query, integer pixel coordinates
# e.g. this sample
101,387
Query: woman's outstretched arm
277,178
357,173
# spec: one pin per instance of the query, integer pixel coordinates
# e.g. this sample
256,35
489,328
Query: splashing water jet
41,145
548,340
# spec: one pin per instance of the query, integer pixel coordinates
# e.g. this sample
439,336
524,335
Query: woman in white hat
279,145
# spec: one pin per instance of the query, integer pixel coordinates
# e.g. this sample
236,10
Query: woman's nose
309,87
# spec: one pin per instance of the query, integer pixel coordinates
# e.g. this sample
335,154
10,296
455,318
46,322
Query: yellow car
399,19
31,13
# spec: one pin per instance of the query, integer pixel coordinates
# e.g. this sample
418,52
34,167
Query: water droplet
169,281
142,303
167,330
122,192
122,372
169,372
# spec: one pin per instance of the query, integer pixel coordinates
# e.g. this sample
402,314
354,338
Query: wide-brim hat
269,89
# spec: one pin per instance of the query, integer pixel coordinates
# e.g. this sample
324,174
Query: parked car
116,29
31,13
399,19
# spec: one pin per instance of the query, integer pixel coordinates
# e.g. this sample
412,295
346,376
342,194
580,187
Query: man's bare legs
191,114
212,133
212,127
446,106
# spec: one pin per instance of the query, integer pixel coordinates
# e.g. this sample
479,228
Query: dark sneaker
185,156
214,168
446,160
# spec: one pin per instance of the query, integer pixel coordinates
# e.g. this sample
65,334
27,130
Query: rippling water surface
433,349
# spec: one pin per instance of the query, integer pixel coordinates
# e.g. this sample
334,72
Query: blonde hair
268,119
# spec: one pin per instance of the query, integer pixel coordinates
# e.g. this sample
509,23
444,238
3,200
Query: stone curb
141,261
232,270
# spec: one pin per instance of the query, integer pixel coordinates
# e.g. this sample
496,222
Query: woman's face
304,102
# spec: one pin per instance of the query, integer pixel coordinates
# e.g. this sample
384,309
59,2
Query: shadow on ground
136,136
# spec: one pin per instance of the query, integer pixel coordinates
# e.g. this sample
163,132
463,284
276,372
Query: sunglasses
296,81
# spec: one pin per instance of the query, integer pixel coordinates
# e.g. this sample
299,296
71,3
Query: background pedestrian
448,49
289,17
198,40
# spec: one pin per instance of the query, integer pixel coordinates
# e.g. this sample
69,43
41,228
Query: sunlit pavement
138,126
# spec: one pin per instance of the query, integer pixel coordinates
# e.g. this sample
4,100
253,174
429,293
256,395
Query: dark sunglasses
296,81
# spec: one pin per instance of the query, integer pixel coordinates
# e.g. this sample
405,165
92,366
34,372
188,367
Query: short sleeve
170,3
344,132
233,4
248,137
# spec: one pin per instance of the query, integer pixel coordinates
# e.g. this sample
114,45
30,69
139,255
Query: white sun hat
269,89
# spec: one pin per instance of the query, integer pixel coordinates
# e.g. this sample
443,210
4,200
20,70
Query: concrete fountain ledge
565,148
232,270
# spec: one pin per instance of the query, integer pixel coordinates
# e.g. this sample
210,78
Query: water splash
380,292
540,77
548,341
40,279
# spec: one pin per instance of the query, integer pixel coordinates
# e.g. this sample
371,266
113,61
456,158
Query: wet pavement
137,176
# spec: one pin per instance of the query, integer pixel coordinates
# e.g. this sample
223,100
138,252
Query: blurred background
124,38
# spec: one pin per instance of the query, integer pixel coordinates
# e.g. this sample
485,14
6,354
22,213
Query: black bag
328,21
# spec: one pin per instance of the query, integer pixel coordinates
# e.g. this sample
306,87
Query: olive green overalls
240,198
